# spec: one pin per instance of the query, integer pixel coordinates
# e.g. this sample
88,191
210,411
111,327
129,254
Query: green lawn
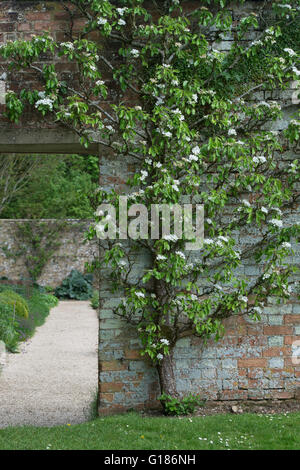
133,431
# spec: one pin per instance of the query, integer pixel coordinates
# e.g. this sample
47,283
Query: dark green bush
76,286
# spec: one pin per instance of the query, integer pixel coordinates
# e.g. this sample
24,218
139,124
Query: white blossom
165,341
101,21
135,53
232,132
196,150
140,294
171,238
159,356
290,52
276,223
45,102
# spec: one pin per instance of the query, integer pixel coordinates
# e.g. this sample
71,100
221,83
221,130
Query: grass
134,432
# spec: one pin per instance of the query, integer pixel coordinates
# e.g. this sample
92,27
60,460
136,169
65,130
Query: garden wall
253,360
72,252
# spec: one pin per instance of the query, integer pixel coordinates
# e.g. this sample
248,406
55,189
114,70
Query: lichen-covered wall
72,253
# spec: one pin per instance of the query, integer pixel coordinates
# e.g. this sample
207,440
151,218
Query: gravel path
54,378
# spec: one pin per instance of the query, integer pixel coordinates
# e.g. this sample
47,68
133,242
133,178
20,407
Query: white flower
140,294
192,158
286,245
121,22
69,45
196,150
296,71
246,203
159,356
165,341
209,221
134,52
266,276
45,102
290,52
243,298
224,239
161,257
179,253
257,310
121,11
144,174
101,21
259,159
208,241
276,223
175,187
232,132
99,82
171,238
264,209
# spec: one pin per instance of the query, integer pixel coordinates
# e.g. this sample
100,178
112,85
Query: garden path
54,378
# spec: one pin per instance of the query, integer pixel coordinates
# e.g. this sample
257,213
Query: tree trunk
166,375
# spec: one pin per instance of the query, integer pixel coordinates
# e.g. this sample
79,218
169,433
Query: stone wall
72,253
252,361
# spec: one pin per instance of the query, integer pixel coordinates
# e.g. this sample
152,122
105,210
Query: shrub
17,302
76,286
176,406
95,300
8,327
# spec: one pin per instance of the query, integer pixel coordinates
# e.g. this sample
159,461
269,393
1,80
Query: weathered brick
253,362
